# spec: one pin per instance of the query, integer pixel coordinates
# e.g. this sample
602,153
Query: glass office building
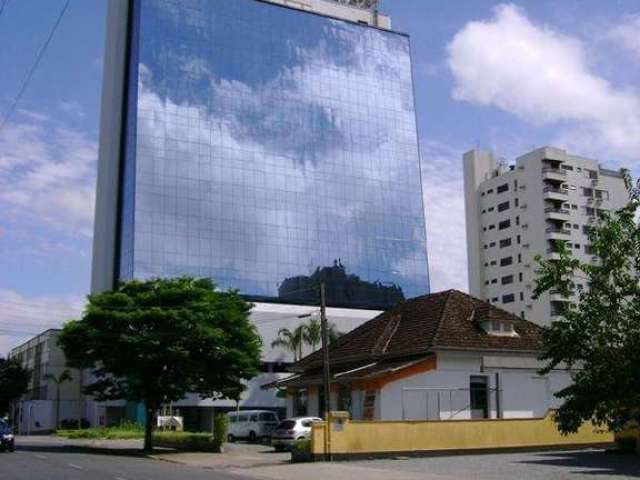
267,147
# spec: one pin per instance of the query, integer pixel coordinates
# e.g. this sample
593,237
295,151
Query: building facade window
509,298
507,280
506,261
504,224
502,188
503,206
505,242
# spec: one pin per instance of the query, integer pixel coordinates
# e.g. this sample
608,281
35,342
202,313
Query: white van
251,424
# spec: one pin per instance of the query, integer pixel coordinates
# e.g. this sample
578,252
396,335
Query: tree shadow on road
592,462
122,452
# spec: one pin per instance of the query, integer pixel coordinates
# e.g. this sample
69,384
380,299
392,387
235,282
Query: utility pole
325,372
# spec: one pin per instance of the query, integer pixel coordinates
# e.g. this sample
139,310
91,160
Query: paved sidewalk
238,456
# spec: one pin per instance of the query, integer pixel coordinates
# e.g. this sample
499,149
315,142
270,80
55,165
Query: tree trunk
58,406
148,425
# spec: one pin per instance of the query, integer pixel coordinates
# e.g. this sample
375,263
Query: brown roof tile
449,319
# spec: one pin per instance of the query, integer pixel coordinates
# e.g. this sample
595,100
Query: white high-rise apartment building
515,212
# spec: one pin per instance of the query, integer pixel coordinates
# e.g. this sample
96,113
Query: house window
507,280
492,244
479,396
301,402
491,227
518,239
602,194
520,276
503,206
518,220
491,209
516,202
506,261
502,188
588,250
587,192
489,191
521,296
504,224
495,280
508,298
515,184
344,398
589,211
586,229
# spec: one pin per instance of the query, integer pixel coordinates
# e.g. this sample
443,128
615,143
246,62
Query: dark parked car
6,437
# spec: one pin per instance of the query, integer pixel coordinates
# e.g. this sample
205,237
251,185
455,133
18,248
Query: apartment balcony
554,174
555,193
553,213
552,254
554,233
556,297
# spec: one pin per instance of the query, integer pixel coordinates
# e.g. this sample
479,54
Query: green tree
14,381
65,376
155,341
290,340
600,336
312,334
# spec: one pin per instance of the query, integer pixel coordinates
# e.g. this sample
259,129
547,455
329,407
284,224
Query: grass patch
180,440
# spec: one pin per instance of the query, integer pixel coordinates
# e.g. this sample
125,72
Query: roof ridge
441,317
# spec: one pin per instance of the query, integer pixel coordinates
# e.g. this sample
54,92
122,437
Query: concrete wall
367,438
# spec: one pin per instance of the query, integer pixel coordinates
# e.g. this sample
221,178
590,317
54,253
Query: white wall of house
444,393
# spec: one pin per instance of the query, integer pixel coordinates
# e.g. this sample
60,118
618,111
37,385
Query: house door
479,396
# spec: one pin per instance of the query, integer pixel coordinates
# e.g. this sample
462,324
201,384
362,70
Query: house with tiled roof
441,356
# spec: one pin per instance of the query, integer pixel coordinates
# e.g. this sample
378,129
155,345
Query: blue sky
502,76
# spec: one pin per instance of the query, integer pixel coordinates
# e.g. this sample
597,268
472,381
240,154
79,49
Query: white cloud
627,34
24,317
543,77
47,174
72,107
444,209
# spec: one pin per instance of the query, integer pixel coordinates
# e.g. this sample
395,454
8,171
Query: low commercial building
49,401
444,356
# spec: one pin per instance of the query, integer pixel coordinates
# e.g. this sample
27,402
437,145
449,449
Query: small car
251,424
6,437
291,430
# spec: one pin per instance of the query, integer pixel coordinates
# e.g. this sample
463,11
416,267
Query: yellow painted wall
404,436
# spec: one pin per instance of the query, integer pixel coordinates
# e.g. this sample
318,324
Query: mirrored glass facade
266,147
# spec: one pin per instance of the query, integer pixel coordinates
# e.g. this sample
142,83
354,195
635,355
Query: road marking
73,465
41,457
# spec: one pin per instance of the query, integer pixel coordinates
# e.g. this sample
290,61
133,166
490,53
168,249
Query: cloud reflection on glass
264,143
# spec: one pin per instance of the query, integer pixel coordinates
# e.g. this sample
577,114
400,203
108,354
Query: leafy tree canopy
14,381
601,336
155,341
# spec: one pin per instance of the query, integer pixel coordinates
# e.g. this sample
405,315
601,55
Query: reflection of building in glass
342,289
256,143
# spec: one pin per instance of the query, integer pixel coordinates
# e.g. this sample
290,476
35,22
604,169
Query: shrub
126,431
72,423
200,441
301,451
220,429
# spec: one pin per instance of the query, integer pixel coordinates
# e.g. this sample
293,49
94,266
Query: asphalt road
44,463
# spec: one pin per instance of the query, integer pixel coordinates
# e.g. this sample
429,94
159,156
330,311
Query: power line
27,79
